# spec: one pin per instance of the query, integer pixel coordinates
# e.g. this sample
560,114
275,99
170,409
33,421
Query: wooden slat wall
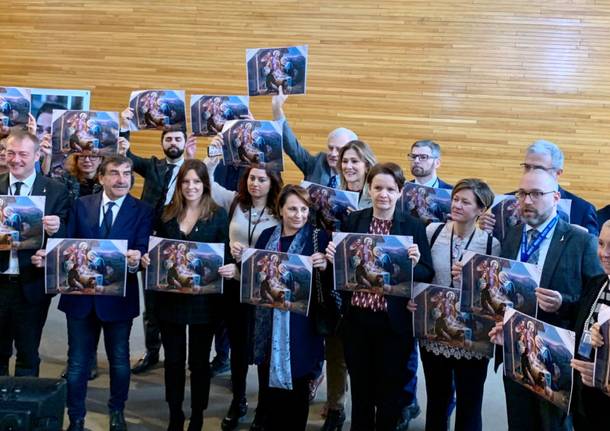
482,77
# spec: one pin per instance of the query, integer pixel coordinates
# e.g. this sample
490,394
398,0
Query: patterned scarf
272,326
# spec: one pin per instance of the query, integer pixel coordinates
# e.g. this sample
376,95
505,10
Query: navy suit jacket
133,223
583,213
603,215
402,224
56,203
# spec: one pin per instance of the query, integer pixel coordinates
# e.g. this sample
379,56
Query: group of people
367,336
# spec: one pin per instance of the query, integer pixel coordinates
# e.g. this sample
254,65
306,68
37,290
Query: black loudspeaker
32,404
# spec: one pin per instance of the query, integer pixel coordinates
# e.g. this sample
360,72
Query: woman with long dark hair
251,210
192,215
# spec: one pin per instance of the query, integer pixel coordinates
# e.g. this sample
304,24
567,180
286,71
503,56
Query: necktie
107,220
17,186
531,237
166,180
332,182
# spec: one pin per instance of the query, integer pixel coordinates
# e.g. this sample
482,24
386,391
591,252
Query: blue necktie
332,182
107,220
531,237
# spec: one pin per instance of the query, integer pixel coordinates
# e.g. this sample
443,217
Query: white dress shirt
115,208
26,189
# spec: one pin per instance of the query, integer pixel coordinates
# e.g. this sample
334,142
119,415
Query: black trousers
238,318
283,409
442,375
376,358
152,335
174,340
21,322
527,411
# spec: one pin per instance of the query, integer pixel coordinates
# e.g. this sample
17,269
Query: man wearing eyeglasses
567,256
425,159
546,156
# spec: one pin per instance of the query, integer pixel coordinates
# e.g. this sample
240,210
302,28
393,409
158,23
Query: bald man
568,258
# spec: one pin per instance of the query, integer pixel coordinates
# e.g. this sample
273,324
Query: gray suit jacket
315,168
570,264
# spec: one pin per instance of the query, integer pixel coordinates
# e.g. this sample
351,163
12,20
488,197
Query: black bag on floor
32,404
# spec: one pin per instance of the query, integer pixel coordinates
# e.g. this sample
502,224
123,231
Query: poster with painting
184,266
537,355
491,284
247,142
86,266
276,280
373,263
268,69
210,113
158,110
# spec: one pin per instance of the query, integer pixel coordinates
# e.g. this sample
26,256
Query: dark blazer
315,168
582,213
153,170
56,203
589,402
441,184
192,309
603,215
402,224
306,346
133,223
570,264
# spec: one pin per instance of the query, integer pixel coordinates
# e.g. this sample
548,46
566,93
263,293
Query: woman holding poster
192,215
377,332
287,348
446,366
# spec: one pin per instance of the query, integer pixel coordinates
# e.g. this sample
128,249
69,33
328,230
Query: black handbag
327,314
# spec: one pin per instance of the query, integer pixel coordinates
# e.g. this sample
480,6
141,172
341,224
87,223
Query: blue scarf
272,326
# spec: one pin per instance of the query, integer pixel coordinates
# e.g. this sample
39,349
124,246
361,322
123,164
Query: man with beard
425,159
321,168
567,256
159,186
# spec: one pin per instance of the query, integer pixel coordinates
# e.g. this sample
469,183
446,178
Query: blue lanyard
526,251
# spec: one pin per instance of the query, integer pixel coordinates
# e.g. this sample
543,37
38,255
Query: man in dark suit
111,214
321,168
425,159
567,255
547,156
23,302
603,215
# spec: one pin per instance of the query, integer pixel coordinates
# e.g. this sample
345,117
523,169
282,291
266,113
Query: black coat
589,402
403,224
193,309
